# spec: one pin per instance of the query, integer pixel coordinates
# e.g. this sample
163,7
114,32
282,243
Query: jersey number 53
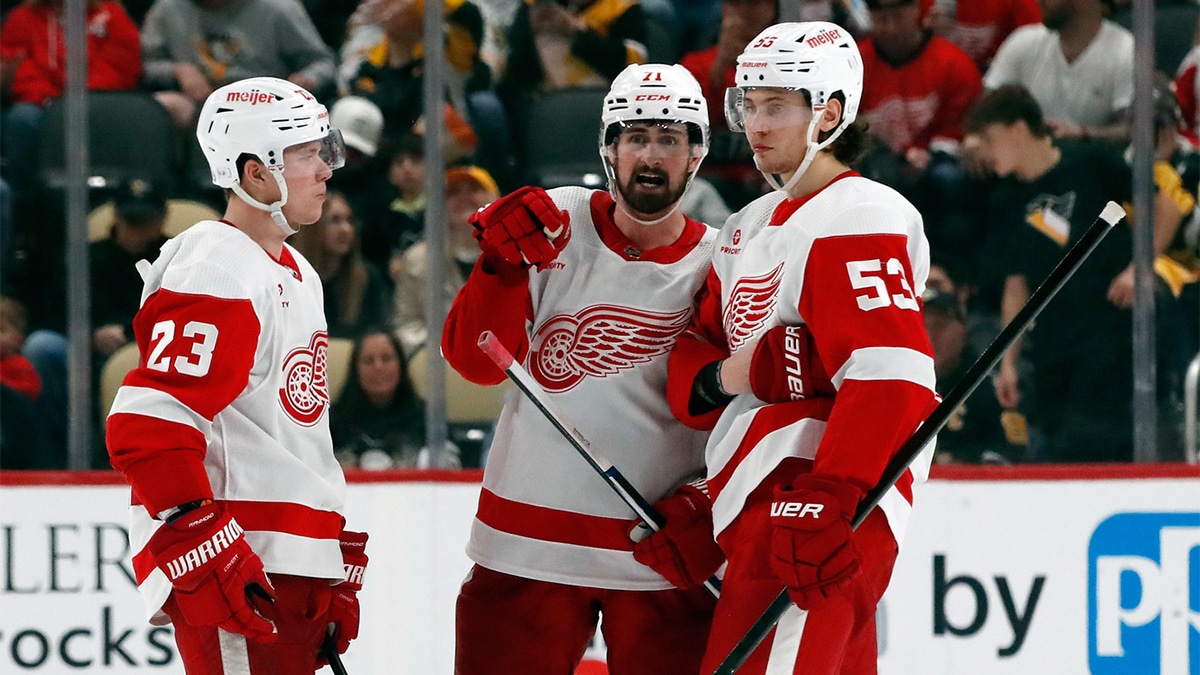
874,276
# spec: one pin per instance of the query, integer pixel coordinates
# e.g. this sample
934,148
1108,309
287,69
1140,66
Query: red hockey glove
812,551
522,228
343,606
786,367
214,571
683,552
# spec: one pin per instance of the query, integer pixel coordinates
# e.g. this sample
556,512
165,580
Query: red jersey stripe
284,518
768,420
546,524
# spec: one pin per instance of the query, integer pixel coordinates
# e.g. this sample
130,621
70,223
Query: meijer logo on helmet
253,97
828,37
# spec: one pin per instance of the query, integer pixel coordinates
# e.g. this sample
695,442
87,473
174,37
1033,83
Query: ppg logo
1144,595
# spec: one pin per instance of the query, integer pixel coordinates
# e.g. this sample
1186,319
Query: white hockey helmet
816,57
262,117
655,92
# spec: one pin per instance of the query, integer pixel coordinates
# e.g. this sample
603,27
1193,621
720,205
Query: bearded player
589,289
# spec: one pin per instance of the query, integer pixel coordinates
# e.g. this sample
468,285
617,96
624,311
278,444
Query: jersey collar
789,206
285,259
603,208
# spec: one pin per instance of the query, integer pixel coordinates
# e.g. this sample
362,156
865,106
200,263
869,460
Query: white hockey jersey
849,261
594,328
230,400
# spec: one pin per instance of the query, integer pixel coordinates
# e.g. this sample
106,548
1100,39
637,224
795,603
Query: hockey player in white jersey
589,289
222,430
822,275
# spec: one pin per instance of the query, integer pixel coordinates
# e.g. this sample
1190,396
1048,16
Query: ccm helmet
262,117
815,57
654,92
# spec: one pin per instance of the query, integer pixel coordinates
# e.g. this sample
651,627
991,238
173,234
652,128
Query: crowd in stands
1006,122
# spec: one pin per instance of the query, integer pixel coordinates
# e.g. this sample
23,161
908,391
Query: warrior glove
343,607
522,228
214,572
812,550
683,551
786,367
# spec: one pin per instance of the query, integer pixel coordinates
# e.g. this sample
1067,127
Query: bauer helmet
654,92
262,117
816,57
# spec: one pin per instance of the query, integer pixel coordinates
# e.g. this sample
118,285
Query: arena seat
113,373
337,365
181,214
466,402
129,135
561,133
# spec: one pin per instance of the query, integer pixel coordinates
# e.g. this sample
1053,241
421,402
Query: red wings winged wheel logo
599,341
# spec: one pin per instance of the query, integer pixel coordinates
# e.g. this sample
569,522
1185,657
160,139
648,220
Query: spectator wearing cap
468,188
139,213
363,175
383,59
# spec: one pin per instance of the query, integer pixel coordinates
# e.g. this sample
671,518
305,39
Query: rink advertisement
1054,570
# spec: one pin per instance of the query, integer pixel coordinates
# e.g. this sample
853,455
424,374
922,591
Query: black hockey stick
907,452
504,360
330,652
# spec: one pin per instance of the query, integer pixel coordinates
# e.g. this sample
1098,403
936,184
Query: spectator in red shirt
916,86
916,89
33,70
979,26
20,440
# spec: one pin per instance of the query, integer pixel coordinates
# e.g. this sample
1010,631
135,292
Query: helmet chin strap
810,153
275,209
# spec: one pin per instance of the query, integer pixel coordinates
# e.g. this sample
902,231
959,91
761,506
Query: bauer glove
812,550
786,367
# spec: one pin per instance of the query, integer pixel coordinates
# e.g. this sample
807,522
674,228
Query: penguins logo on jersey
599,341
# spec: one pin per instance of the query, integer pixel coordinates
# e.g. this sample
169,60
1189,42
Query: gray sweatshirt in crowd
231,40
